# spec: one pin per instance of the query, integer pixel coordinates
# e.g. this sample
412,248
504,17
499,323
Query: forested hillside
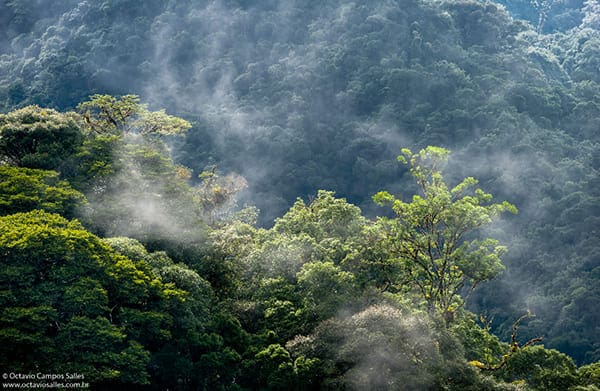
207,270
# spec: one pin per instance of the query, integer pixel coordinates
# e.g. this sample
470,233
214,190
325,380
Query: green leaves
376,348
138,317
24,189
426,165
86,297
99,350
72,304
326,287
108,114
543,369
431,232
38,138
325,217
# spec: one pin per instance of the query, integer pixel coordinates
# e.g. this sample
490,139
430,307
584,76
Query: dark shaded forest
301,195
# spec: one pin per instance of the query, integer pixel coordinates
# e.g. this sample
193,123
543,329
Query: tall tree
433,234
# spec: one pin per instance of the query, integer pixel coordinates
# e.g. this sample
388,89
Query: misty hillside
271,101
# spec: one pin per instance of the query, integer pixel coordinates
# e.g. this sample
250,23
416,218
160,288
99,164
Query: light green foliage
430,232
39,138
25,189
109,114
178,274
589,376
283,310
277,367
307,269
280,255
70,303
293,270
326,288
370,261
269,280
482,348
290,275
87,297
326,217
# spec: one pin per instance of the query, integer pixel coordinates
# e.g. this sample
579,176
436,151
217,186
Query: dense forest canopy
210,273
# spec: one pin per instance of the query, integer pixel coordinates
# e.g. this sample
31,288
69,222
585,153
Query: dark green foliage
543,369
288,98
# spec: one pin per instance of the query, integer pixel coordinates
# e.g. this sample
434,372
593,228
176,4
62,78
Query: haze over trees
262,235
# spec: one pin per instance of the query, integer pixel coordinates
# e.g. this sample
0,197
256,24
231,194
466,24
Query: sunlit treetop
25,189
431,232
108,114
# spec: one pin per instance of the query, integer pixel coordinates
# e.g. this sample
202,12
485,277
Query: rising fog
297,97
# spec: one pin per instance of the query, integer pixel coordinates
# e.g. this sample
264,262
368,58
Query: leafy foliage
317,301
543,369
430,232
107,114
65,301
25,189
324,99
38,138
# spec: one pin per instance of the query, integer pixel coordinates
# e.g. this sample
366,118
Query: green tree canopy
25,189
70,303
326,217
383,348
431,233
542,369
109,114
38,138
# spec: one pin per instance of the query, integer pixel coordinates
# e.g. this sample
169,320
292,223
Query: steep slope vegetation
299,96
